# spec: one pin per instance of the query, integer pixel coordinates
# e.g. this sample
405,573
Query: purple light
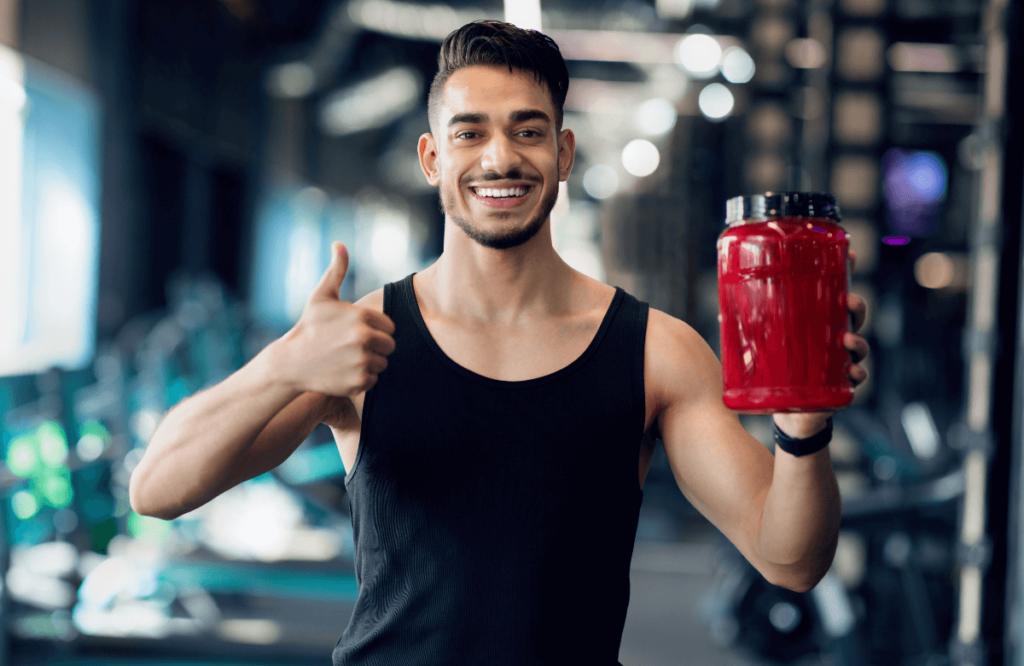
915,184
895,240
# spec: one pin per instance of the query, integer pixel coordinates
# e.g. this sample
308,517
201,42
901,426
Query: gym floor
663,626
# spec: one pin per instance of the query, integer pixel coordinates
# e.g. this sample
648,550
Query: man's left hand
805,425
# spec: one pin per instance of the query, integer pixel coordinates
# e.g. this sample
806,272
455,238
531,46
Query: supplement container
783,279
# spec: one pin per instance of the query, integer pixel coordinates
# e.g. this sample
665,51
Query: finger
330,283
857,346
853,260
376,364
858,310
380,343
857,375
379,321
371,379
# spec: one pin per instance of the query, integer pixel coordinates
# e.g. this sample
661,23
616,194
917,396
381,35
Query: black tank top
494,521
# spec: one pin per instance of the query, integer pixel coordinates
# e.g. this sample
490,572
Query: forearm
800,522
205,438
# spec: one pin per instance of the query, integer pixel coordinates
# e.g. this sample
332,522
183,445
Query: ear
566,153
427,148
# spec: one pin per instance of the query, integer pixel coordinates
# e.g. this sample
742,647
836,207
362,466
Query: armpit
340,413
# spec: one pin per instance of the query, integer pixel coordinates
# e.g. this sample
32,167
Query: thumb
332,278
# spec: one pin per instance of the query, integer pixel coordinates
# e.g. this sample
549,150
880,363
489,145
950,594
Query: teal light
148,528
24,504
97,429
312,464
89,448
53,444
22,458
92,441
56,490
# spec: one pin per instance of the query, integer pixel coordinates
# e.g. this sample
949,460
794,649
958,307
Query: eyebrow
517,116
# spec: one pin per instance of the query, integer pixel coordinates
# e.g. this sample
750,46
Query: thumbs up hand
336,348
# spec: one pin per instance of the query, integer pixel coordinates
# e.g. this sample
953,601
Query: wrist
272,364
801,425
803,446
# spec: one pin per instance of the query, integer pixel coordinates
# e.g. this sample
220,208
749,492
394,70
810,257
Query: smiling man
497,412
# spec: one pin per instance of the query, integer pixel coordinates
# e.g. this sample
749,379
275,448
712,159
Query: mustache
512,174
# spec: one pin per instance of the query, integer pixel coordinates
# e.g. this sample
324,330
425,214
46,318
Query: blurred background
173,171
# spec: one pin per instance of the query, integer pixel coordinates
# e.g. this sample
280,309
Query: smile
500,193
501,197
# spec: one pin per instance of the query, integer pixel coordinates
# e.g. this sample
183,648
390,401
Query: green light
56,490
22,459
96,429
53,444
90,447
24,504
148,528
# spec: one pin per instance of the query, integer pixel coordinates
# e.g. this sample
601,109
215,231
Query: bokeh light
805,53
640,157
737,65
90,447
656,117
915,186
56,490
716,101
24,504
699,55
150,529
389,243
601,181
934,270
291,80
22,458
53,445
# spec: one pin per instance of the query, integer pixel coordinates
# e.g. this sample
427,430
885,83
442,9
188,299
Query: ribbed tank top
493,520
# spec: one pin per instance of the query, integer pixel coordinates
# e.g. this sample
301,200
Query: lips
506,196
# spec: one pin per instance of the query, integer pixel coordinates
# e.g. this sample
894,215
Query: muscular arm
244,426
253,420
782,513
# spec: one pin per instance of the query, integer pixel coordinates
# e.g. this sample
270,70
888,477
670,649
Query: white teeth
503,193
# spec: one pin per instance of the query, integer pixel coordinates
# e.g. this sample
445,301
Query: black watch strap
803,447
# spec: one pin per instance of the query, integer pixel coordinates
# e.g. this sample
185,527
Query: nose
500,155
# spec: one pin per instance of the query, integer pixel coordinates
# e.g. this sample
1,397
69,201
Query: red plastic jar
783,278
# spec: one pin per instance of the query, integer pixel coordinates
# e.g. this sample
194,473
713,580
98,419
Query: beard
504,239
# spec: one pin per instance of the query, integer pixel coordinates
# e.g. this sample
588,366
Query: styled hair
496,43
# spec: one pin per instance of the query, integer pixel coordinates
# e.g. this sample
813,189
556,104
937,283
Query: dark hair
490,42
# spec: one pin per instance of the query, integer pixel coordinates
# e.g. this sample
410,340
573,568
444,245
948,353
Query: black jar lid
759,207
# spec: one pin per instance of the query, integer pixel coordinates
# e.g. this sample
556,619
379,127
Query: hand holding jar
788,322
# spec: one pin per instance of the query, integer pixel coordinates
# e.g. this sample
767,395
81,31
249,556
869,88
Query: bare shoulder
678,363
373,300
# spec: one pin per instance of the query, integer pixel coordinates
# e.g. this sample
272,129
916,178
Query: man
496,412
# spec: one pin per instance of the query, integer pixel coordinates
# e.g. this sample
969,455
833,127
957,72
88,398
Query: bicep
723,471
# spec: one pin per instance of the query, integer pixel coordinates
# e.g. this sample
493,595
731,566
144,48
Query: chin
511,235
504,238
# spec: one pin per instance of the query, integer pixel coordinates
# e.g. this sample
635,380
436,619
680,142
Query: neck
486,285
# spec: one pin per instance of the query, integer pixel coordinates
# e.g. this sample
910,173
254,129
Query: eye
466,135
529,134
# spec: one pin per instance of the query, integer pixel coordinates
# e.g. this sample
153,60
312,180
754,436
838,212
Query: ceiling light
737,65
601,181
716,101
656,117
640,158
699,55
